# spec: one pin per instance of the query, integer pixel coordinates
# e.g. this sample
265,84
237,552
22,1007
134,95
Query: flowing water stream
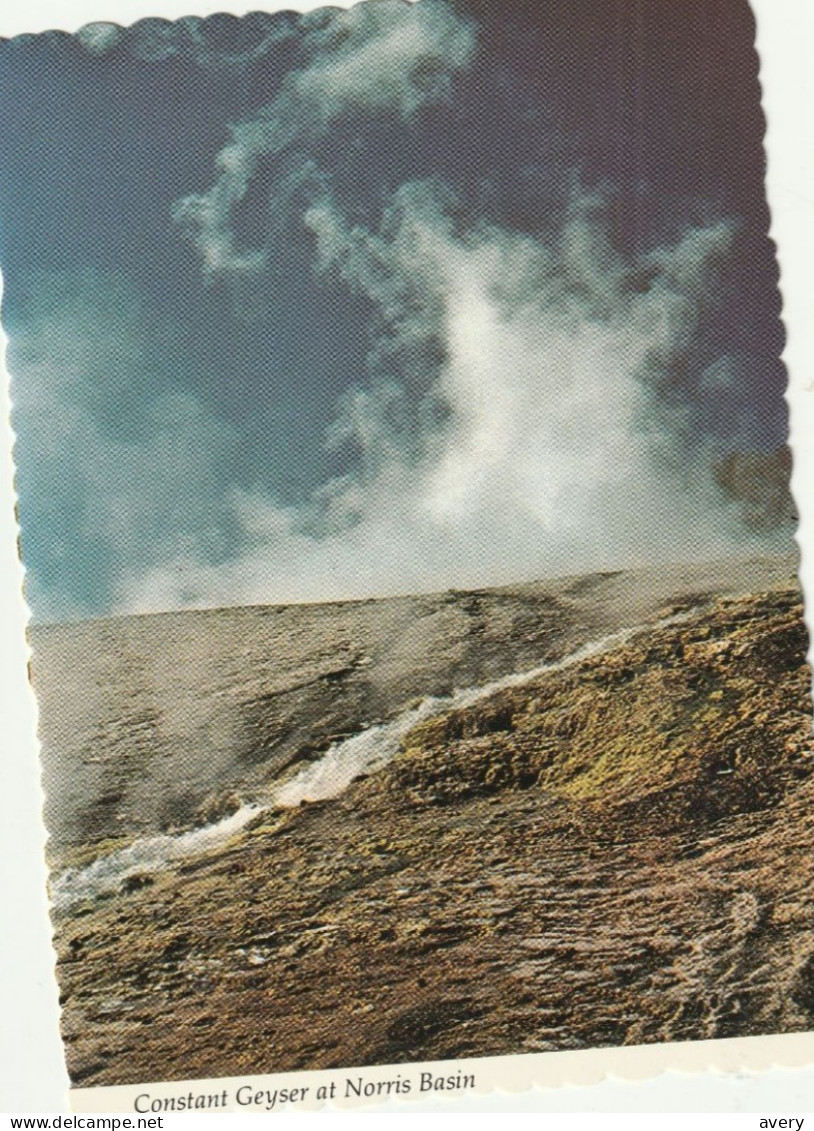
328,777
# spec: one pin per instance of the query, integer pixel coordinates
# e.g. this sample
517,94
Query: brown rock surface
615,853
158,722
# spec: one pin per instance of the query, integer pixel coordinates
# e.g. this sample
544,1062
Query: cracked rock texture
161,722
618,852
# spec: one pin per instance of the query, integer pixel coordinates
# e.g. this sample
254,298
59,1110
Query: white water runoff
328,777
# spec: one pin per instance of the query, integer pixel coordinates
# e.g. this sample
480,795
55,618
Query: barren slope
619,852
158,722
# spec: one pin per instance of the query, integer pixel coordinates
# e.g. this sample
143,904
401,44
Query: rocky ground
617,852
162,722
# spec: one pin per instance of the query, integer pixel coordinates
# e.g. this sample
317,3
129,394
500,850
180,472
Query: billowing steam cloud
520,414
387,56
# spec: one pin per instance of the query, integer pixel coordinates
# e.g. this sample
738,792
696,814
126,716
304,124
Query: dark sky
397,298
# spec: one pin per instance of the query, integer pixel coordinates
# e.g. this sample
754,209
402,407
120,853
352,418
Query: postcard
403,472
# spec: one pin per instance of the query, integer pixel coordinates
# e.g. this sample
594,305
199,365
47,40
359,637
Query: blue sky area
388,299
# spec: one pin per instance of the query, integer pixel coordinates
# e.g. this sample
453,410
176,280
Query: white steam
532,449
511,421
375,57
534,442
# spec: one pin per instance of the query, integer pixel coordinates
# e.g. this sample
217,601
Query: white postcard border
369,1086
31,1065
